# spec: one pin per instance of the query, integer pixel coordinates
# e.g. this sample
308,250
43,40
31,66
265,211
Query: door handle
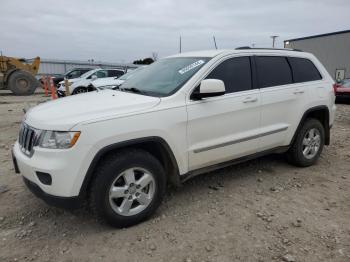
250,100
299,92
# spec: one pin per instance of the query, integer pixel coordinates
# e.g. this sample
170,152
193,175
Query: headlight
58,139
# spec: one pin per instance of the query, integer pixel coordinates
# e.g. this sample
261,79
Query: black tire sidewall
300,159
32,82
75,92
110,171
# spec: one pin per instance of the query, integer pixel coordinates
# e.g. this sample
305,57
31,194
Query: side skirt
208,169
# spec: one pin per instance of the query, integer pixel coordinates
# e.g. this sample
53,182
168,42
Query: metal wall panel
59,67
333,51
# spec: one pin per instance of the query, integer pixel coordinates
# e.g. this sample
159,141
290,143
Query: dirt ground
262,210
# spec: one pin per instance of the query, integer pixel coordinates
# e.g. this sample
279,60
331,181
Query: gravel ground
262,210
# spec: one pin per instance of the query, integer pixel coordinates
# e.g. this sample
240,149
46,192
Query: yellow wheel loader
19,76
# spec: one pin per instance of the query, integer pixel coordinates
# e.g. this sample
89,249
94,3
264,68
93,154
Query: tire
112,173
80,90
22,83
296,154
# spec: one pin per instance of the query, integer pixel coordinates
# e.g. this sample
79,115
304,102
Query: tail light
335,86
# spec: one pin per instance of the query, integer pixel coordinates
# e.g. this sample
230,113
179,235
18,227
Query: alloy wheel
132,191
311,143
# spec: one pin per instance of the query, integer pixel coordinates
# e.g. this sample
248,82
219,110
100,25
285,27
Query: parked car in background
114,82
73,73
182,116
82,83
343,89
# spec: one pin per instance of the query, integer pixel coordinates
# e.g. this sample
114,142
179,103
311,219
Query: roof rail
267,48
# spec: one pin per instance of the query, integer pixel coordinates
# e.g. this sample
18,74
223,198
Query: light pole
273,40
180,45
216,47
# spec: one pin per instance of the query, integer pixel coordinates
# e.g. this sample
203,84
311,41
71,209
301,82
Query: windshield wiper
132,89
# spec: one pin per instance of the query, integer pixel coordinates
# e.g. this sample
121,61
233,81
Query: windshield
346,84
129,74
165,76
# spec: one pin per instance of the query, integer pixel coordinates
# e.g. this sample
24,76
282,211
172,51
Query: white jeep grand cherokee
179,117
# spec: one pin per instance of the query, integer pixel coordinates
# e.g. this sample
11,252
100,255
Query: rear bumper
62,202
342,92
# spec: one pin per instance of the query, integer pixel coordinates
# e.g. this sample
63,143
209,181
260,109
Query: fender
325,122
174,178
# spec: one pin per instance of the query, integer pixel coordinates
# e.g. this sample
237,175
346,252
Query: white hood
108,81
71,81
81,82
64,113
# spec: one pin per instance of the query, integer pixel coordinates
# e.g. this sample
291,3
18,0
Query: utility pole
216,47
180,45
273,40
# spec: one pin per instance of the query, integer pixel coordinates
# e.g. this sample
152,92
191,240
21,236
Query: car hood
105,81
71,81
80,82
64,113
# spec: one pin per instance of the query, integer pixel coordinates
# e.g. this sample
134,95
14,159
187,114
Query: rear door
282,101
225,127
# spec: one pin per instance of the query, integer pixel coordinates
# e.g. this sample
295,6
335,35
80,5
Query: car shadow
239,174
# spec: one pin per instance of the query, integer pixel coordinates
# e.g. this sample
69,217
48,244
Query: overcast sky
122,31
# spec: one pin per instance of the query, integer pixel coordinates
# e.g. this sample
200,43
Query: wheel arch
156,146
320,113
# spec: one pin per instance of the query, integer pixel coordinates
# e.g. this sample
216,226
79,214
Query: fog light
44,178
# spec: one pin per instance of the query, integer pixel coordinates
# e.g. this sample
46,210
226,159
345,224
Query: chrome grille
27,139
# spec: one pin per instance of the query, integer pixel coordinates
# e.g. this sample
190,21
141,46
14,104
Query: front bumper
62,202
61,93
65,167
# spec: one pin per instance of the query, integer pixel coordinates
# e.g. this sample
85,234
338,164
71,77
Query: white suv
179,117
81,84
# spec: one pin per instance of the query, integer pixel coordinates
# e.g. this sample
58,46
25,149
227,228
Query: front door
225,127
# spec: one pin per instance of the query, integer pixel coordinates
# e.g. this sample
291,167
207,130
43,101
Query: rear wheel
128,188
308,144
22,83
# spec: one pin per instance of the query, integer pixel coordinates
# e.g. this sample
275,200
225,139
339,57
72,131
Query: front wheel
308,144
128,188
80,90
22,83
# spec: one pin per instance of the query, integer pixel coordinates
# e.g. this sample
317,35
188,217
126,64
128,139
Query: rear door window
273,71
303,70
115,73
235,73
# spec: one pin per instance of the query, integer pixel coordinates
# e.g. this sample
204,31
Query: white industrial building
59,67
332,49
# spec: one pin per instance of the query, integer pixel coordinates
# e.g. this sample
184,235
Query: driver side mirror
94,77
209,88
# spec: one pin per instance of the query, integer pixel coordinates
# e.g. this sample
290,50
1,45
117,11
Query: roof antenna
216,47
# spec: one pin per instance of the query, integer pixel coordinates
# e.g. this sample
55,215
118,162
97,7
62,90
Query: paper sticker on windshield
191,66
